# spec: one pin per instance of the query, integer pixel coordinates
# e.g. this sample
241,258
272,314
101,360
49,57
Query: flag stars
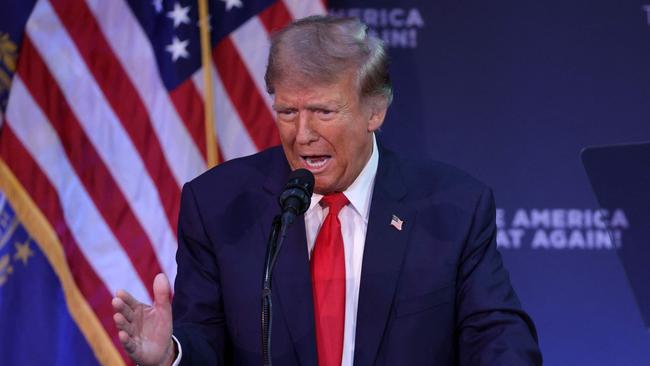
232,4
180,14
157,5
23,252
178,49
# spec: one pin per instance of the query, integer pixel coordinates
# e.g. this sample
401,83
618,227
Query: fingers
128,342
124,314
121,307
161,290
139,325
127,298
124,325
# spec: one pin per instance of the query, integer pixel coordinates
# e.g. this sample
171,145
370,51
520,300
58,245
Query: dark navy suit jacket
434,293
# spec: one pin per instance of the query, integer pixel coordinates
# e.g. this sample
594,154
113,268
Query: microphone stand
294,201
278,233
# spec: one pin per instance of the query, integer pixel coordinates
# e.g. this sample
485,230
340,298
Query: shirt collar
359,193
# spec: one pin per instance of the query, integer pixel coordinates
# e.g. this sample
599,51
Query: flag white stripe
234,140
252,43
103,129
95,239
301,8
132,47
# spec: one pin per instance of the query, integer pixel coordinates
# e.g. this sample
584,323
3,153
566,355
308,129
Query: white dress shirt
354,223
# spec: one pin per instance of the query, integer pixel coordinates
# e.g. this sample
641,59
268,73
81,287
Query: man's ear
378,109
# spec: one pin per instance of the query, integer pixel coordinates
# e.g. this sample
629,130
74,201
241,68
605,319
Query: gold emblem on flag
8,56
23,252
5,269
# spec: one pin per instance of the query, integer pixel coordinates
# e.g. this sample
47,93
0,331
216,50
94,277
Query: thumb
161,290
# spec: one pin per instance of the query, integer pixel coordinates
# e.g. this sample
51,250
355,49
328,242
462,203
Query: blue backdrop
511,91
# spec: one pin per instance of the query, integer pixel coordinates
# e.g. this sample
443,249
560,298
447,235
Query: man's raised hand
145,331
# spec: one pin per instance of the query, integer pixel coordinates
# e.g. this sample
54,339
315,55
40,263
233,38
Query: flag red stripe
221,159
189,105
88,165
275,17
245,96
44,195
123,98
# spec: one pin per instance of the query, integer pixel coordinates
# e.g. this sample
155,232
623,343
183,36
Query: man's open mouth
315,162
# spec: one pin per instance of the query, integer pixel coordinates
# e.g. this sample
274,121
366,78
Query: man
404,271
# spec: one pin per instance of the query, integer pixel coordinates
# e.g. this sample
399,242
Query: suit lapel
382,258
292,280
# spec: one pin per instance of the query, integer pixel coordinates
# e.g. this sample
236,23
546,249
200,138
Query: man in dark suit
404,271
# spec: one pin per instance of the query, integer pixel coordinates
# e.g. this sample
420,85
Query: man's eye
286,114
325,113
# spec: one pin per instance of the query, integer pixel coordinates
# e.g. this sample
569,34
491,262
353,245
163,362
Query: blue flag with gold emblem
36,326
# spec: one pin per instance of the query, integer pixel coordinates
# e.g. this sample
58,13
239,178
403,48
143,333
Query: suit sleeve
199,321
493,329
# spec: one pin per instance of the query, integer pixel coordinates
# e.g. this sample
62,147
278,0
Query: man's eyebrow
281,107
328,104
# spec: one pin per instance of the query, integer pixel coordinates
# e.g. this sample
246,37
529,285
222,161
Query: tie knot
335,201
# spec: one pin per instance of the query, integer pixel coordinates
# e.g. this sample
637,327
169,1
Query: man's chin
322,188
326,186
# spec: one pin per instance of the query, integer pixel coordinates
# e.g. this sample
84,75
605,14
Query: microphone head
296,195
303,178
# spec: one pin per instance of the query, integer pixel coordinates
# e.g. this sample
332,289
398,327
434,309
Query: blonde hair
322,49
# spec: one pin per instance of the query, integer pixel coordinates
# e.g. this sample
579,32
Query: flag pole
208,91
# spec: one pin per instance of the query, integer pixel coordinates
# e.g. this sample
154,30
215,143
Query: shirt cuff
177,360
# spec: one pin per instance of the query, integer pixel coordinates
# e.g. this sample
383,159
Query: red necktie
328,282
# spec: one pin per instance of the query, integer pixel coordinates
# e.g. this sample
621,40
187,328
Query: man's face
327,130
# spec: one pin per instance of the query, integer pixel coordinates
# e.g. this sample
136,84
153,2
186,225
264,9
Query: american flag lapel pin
396,222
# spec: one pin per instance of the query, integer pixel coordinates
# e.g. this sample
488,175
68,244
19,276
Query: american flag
105,123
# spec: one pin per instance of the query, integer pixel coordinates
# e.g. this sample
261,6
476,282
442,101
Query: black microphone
294,201
296,197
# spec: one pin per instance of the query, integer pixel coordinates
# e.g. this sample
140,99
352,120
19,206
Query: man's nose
306,133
